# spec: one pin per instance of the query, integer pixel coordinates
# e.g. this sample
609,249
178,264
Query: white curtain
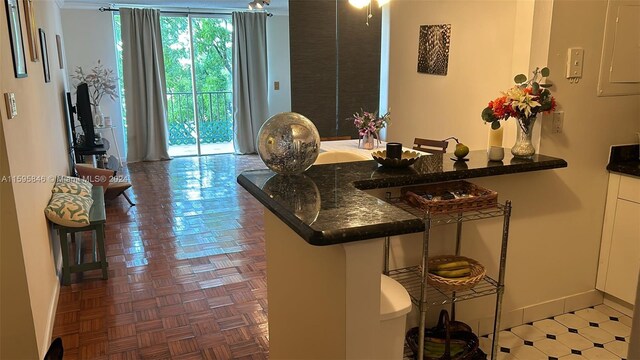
250,87
145,85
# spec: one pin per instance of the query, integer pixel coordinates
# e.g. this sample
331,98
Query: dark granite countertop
624,159
326,204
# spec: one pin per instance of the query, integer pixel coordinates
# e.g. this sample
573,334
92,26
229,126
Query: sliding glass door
197,54
212,51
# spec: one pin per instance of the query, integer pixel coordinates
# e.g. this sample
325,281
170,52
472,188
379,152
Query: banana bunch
452,269
435,347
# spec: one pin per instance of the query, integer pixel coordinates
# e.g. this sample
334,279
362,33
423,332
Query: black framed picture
15,35
45,55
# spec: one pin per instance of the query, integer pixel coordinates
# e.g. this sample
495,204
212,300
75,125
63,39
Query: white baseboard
617,304
540,311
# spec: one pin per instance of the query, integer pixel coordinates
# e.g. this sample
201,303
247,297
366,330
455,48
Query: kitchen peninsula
324,246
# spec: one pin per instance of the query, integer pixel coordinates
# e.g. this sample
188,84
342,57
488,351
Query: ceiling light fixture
359,4
258,4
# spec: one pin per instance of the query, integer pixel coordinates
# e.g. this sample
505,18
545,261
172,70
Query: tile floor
598,333
187,279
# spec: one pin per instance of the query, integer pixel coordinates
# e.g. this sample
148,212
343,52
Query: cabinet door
624,258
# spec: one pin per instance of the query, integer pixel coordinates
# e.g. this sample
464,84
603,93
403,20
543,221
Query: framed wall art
433,49
59,45
30,20
15,36
45,55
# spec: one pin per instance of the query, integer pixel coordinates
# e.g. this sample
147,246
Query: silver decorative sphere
288,143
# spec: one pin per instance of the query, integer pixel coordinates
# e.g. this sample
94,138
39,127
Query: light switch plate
575,58
12,107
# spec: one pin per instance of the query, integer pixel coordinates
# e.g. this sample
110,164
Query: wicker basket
474,198
451,284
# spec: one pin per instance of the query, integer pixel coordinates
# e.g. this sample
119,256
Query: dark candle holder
394,150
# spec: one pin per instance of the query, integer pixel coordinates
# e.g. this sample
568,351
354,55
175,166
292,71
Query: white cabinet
620,248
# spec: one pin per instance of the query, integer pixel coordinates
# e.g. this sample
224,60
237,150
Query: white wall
279,65
88,37
34,143
557,215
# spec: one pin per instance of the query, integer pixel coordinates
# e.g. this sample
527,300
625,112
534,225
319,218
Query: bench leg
64,245
101,250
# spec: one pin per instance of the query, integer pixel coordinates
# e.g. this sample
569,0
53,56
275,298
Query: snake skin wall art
433,49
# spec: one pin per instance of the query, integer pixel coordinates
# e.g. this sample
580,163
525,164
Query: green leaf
544,72
495,125
520,78
535,87
488,116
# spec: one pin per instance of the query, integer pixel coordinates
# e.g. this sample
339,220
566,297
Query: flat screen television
85,116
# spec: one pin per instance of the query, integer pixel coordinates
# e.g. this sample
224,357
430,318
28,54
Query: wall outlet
558,120
276,85
12,106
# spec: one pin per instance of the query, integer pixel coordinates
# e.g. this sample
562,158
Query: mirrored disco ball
288,143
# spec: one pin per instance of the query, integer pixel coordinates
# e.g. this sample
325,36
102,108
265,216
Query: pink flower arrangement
368,123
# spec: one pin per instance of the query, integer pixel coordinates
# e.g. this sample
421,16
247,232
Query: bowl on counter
407,159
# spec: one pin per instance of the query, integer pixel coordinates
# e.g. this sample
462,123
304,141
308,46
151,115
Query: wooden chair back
431,146
334,138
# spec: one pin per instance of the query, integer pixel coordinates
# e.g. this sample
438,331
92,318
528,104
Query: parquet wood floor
187,269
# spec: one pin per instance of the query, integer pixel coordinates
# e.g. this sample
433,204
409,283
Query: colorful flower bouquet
523,101
369,125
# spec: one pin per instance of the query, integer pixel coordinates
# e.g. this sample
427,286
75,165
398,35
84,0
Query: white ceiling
276,7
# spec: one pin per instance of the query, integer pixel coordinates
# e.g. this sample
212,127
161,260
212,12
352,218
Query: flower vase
367,141
98,117
523,148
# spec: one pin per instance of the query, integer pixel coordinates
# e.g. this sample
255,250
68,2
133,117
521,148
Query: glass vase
367,141
523,148
98,117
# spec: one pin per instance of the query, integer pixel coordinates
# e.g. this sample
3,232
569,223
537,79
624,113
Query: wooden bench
97,219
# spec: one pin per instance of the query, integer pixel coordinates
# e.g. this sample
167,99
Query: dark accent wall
335,63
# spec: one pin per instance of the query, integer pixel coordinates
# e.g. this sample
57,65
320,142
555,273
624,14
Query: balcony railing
215,117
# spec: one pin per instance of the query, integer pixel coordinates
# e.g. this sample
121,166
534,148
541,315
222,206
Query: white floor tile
625,320
573,357
526,352
592,315
596,335
575,341
552,348
550,327
507,339
505,356
572,321
485,345
598,354
616,328
608,311
620,348
528,332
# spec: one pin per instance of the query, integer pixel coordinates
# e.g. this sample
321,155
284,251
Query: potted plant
369,125
101,82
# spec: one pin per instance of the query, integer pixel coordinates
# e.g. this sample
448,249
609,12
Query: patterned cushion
69,210
72,185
